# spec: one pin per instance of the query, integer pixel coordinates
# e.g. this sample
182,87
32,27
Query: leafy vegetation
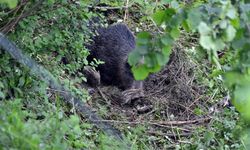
220,27
32,116
223,27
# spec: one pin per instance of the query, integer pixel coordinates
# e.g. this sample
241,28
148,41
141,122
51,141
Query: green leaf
161,59
166,50
10,3
167,40
155,68
140,72
241,100
143,38
177,19
194,18
142,49
204,29
233,78
235,22
133,58
175,33
230,33
232,13
223,24
185,26
163,15
169,13
159,17
208,43
2,95
150,60
51,1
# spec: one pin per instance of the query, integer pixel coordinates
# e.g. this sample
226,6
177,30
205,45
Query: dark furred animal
112,45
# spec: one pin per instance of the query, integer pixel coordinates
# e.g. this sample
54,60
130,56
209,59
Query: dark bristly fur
112,45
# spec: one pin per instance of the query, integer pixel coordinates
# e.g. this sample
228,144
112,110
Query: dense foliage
223,28
43,124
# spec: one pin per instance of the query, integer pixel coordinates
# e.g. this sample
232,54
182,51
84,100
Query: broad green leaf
133,58
142,49
177,19
167,40
150,60
232,14
161,59
204,29
145,35
219,45
163,15
156,68
140,72
194,18
230,33
241,100
175,33
10,3
206,42
143,38
51,1
235,22
185,26
159,17
169,13
235,78
166,51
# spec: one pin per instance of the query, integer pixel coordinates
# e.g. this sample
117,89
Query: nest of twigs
174,89
174,94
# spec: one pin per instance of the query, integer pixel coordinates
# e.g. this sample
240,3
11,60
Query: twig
107,7
102,95
126,11
185,122
10,25
169,134
153,122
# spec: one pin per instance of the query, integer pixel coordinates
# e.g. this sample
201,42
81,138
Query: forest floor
175,105
185,106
